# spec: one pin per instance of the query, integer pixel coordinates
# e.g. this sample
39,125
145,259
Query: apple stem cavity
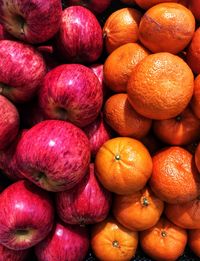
22,232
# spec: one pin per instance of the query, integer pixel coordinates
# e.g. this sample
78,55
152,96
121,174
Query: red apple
26,215
65,243
33,21
9,122
71,92
21,70
87,203
98,71
4,35
54,155
8,162
98,133
94,5
7,254
80,38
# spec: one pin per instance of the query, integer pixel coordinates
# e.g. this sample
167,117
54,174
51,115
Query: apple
33,21
7,254
54,154
4,35
26,215
9,122
94,5
98,71
71,92
98,132
65,242
87,203
80,37
8,162
22,69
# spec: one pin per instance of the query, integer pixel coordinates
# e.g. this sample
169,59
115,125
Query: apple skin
9,122
32,21
98,132
7,254
26,215
65,242
87,203
54,155
77,43
71,92
94,5
21,70
4,35
8,161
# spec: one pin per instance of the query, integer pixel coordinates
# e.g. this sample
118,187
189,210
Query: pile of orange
152,67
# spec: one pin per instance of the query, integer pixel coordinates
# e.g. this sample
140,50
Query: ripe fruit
194,6
22,69
193,52
33,21
197,157
181,130
138,211
120,64
123,165
159,32
175,178
87,203
121,27
194,241
123,119
195,102
26,215
146,4
71,92
77,43
161,86
7,254
165,241
185,215
9,122
94,5
110,241
54,155
64,243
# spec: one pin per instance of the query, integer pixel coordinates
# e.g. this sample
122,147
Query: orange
165,241
167,27
138,211
194,241
193,53
197,157
161,86
123,165
146,4
120,63
185,215
194,6
180,130
121,27
122,118
195,102
175,178
110,241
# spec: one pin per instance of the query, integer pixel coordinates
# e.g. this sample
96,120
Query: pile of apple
51,127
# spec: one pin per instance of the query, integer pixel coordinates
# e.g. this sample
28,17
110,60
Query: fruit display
100,130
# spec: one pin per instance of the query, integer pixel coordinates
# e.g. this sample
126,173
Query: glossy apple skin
33,21
7,254
71,92
65,242
54,154
94,5
9,122
24,206
8,161
77,43
21,70
98,133
87,203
